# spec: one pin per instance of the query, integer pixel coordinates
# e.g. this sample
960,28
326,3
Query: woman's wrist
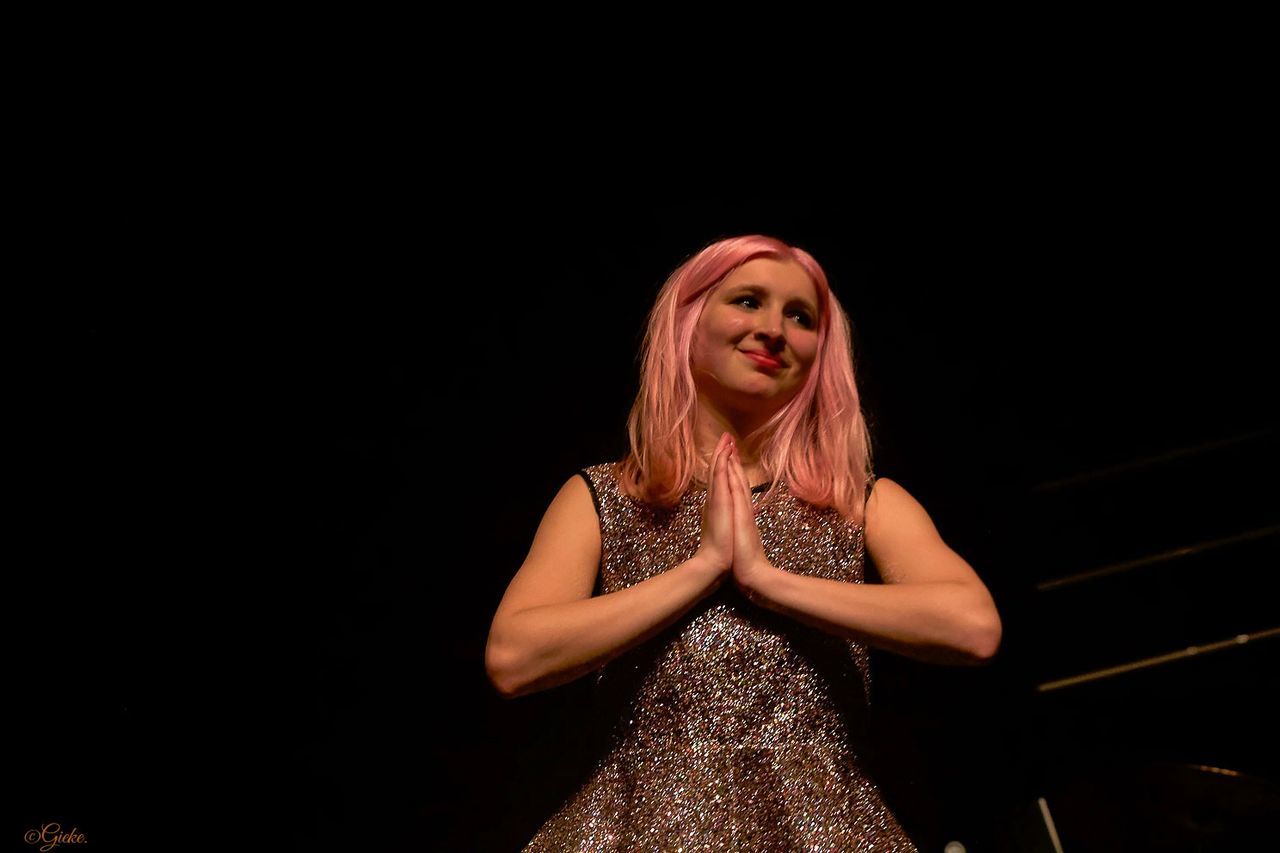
702,565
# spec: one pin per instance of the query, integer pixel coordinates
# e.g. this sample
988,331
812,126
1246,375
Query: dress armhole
595,498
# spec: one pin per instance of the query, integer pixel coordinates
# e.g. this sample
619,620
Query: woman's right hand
716,546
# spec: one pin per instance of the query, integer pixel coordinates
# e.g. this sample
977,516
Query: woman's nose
769,325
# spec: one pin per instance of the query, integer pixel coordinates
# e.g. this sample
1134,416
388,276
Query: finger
723,481
733,473
742,516
739,478
725,473
714,482
740,485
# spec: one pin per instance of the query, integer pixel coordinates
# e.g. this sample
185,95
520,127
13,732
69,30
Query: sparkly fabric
736,728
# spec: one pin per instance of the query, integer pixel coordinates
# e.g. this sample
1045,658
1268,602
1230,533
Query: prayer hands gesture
730,538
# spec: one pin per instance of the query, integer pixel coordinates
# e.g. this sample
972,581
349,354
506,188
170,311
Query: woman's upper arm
564,559
906,548
904,543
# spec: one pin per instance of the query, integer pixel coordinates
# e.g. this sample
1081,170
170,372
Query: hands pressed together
730,538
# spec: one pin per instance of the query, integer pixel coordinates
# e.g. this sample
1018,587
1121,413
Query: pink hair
819,442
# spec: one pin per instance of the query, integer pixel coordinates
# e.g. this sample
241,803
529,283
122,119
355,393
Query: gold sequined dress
736,728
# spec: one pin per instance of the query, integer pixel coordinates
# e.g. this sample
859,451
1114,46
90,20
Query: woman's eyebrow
756,288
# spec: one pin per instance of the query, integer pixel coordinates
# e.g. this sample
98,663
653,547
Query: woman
713,579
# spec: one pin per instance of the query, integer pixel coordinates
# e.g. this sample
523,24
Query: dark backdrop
275,498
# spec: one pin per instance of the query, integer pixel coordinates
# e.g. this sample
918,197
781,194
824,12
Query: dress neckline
754,489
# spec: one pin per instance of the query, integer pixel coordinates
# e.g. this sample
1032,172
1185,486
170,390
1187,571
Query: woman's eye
805,319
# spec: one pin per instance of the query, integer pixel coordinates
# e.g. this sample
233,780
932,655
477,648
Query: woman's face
766,306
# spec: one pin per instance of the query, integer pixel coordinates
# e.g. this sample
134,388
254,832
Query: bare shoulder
888,499
563,559
903,541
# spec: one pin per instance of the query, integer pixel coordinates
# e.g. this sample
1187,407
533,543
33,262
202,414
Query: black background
277,466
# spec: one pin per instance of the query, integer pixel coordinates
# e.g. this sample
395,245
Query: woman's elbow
499,670
987,641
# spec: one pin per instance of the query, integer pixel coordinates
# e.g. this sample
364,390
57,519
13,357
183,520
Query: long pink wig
819,442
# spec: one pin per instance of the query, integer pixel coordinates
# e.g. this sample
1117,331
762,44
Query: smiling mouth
763,361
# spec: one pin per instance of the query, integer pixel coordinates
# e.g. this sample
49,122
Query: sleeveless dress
735,728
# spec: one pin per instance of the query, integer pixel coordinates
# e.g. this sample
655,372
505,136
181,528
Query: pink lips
763,360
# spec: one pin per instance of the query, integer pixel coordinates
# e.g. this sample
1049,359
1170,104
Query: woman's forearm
554,644
946,622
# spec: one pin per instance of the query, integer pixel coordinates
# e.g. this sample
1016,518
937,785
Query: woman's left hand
750,565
